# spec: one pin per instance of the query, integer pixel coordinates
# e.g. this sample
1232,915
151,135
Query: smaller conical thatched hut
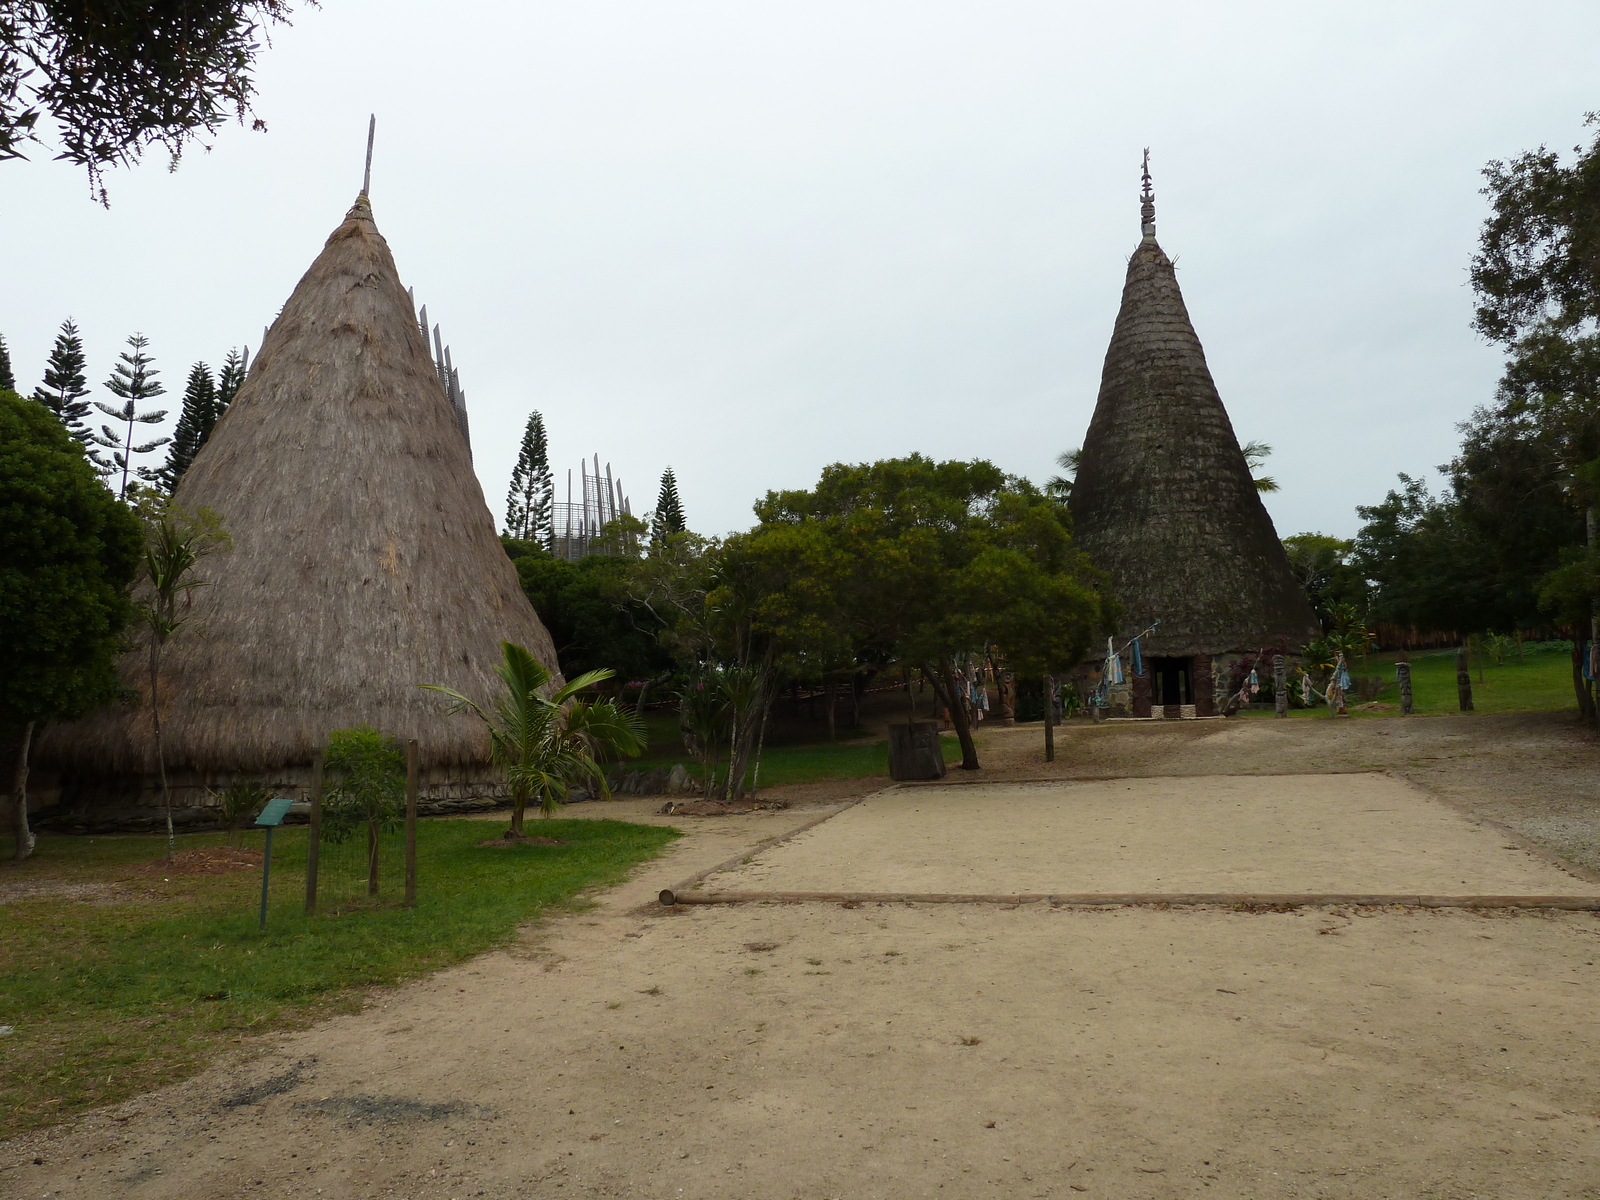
1165,504
364,561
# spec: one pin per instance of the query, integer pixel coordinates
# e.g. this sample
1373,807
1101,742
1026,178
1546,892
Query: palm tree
547,744
175,542
1256,453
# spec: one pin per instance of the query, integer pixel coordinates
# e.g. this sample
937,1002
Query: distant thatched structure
364,559
1165,504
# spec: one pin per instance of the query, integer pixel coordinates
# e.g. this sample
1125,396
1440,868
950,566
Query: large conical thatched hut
1165,504
364,561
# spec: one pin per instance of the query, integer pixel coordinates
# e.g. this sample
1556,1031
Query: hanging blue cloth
1583,650
1344,678
1138,663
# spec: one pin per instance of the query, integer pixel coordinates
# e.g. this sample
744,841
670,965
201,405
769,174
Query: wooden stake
366,177
314,834
411,823
1463,679
1049,718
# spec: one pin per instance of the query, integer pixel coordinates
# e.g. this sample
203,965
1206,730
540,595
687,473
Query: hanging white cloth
1113,663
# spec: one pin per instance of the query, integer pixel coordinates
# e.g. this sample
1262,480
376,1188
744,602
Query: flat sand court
1262,833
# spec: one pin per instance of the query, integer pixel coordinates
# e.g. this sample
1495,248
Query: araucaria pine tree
668,517
64,386
134,382
8,381
530,502
198,415
229,380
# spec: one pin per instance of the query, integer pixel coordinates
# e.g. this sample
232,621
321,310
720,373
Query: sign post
270,817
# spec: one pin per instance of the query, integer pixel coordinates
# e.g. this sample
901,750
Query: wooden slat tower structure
1165,504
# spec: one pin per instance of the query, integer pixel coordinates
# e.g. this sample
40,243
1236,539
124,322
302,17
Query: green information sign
271,816
274,812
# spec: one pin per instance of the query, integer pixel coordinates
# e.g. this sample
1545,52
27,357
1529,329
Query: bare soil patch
207,860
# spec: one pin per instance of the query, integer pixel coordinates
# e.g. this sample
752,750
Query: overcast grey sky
751,239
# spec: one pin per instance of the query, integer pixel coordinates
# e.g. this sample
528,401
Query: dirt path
912,1051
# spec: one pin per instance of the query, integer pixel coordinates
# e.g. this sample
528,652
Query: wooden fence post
314,834
411,823
1049,718
1463,678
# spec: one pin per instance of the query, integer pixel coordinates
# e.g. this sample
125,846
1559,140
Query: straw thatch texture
364,560
1163,500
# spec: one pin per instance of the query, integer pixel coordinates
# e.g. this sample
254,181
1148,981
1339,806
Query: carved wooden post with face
1403,673
1463,678
1280,686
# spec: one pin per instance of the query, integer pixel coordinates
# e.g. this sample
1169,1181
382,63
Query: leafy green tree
1428,567
68,551
175,542
548,744
667,519
368,789
930,561
229,381
1322,566
592,615
195,419
8,381
65,386
1537,282
530,503
119,78
133,381
1538,260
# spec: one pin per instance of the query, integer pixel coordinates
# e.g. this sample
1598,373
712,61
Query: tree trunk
857,686
519,806
19,796
761,740
372,857
833,732
161,758
1049,683
1580,685
1463,679
945,686
1590,519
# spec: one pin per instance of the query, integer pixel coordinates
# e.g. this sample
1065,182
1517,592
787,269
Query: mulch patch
512,838
209,860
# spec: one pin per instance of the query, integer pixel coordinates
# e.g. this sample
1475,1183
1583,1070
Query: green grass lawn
117,994
1540,683
808,763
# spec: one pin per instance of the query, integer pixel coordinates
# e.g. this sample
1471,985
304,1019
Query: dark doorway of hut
1172,685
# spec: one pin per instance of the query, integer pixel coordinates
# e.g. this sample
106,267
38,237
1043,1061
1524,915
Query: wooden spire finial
1147,200
366,178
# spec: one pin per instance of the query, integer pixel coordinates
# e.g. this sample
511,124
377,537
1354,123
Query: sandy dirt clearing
1264,833
813,1051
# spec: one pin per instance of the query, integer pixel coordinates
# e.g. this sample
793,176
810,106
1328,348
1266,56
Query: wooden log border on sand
1246,900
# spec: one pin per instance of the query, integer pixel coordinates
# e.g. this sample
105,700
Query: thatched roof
364,559
1163,500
